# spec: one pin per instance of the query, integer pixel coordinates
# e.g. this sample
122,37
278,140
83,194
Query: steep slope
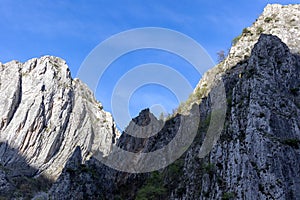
257,155
279,20
45,114
50,124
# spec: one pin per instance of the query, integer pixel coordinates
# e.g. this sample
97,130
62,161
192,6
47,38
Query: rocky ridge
282,21
256,157
45,115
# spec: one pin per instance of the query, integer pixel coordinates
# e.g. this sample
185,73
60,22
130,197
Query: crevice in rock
17,98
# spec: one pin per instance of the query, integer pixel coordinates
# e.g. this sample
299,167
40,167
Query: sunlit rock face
45,114
281,21
256,157
50,125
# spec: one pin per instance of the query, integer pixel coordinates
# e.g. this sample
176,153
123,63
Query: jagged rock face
91,180
45,114
281,21
140,126
257,156
272,96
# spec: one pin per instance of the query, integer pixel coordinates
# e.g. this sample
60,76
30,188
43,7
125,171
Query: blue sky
71,29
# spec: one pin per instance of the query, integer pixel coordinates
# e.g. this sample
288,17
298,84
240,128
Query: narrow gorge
51,125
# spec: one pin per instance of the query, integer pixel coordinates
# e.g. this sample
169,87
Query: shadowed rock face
45,114
17,177
278,20
257,155
50,124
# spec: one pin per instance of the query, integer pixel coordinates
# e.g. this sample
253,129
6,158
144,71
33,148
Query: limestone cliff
257,155
45,114
279,20
50,124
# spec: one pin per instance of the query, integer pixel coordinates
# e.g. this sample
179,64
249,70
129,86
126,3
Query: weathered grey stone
45,114
258,153
279,20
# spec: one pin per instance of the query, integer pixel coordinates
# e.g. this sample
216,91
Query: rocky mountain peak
45,115
256,156
278,20
144,125
50,124
144,118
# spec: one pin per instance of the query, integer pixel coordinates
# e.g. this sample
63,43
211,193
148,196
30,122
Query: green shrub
246,31
236,39
26,187
181,107
154,188
200,92
294,142
150,192
175,169
259,30
228,196
268,19
209,168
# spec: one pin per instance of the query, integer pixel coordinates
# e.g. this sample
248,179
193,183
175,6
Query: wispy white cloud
52,19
